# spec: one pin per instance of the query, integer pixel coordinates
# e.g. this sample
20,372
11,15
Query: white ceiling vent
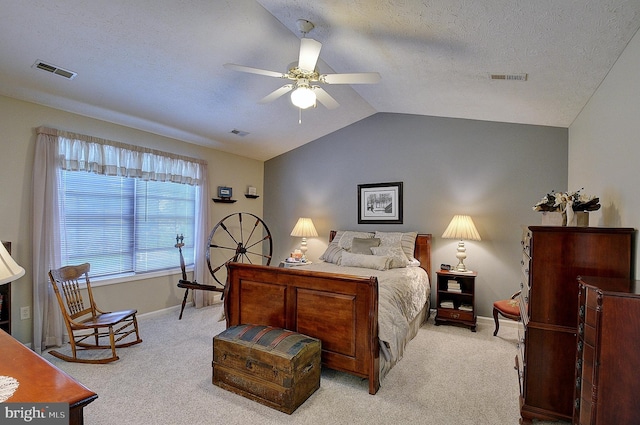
239,132
70,75
508,77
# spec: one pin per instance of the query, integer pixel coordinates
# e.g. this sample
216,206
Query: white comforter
402,293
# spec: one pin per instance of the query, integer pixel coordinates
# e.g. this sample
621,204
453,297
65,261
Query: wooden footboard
340,310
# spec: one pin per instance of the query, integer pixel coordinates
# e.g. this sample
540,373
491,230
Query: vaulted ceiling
157,65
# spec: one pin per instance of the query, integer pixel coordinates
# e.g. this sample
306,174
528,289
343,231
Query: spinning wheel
239,237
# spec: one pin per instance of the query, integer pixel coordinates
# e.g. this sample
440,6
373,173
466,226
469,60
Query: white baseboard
505,323
168,309
216,297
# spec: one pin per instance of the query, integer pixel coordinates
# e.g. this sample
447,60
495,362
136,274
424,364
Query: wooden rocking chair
87,327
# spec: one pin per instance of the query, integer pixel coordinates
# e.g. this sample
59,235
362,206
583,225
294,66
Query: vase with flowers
574,207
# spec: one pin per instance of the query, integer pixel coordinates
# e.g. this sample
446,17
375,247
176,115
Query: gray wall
494,172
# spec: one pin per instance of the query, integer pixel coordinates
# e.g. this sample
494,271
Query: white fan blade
325,98
309,52
251,70
276,93
355,78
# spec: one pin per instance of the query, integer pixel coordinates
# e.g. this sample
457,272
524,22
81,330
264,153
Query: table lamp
461,228
304,228
9,269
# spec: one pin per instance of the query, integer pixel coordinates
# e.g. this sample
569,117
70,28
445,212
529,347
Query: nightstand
287,265
456,298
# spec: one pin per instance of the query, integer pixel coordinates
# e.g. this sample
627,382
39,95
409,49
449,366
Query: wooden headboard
422,250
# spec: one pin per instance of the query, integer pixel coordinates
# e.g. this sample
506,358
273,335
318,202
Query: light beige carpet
448,375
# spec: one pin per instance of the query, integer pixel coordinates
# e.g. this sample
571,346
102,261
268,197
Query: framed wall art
380,203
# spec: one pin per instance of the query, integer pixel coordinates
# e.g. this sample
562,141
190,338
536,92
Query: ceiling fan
305,77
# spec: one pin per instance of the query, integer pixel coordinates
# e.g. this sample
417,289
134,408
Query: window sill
95,282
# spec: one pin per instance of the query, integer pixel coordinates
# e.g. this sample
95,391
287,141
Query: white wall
604,144
493,171
17,141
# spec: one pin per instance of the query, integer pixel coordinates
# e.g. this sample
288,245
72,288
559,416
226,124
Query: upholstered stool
508,308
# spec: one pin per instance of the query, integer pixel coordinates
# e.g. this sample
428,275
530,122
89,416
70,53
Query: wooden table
40,381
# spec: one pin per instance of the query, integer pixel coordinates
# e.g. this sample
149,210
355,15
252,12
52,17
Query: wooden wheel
239,237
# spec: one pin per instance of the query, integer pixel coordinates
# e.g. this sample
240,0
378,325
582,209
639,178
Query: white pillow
406,240
413,263
398,258
365,261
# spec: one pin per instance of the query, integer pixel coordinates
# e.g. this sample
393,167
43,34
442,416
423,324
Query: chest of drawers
552,259
607,361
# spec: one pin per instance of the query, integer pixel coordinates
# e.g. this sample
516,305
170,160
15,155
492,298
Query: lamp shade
304,228
462,228
9,269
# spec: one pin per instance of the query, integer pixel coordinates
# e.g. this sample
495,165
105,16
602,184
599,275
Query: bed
347,308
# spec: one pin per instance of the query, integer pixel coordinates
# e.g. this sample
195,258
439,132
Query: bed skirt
414,327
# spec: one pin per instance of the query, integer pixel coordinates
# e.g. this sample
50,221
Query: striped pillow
333,254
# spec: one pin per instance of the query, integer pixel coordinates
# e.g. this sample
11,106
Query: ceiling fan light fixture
303,97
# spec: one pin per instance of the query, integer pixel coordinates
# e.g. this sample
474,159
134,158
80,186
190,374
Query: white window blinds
122,206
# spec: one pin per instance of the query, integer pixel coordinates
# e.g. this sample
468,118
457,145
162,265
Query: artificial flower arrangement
560,201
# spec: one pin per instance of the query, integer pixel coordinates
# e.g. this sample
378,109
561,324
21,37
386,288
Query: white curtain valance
77,152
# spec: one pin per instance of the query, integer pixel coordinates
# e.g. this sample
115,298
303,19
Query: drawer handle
579,346
578,382
581,329
579,364
521,285
576,403
455,315
581,311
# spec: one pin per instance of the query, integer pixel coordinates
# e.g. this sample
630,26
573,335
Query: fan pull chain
299,115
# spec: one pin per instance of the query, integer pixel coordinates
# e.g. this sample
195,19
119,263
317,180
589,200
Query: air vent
239,132
70,75
508,77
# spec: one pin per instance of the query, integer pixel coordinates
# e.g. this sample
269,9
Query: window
124,225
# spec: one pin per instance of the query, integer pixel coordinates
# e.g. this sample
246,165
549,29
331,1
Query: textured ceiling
157,65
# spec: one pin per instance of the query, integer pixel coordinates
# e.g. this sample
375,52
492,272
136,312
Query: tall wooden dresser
607,360
552,259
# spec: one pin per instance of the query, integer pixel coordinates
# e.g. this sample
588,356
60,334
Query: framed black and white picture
380,203
224,192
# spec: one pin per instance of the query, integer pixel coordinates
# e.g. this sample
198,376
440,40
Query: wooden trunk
273,366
